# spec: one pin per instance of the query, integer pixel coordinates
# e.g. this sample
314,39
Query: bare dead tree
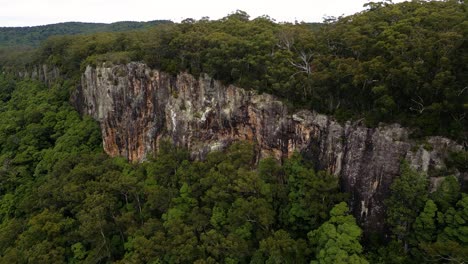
304,64
438,258
463,90
459,118
286,40
300,59
418,105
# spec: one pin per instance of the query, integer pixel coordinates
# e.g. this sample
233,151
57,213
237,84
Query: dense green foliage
33,36
338,239
401,62
62,200
426,227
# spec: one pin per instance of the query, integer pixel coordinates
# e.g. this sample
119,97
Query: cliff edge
137,107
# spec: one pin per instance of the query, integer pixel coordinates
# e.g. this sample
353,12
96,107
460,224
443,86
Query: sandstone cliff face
138,106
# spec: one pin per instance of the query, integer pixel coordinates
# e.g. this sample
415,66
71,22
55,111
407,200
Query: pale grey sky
40,12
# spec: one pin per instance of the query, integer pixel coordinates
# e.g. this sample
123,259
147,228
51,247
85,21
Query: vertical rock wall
138,106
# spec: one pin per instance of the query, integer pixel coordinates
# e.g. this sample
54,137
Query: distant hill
32,36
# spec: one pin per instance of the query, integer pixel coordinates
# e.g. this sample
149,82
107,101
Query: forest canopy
33,36
62,200
402,63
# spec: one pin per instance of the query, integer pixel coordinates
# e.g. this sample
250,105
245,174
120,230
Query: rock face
138,106
44,73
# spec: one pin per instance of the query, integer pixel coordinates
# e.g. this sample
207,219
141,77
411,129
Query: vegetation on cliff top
403,62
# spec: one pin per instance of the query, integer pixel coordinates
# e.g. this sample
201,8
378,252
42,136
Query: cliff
43,73
138,106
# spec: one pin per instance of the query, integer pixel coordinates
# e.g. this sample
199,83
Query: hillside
240,140
403,63
65,201
33,36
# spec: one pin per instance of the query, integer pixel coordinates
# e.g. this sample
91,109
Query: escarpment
137,107
47,74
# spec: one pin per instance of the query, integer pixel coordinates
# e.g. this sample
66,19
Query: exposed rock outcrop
44,73
138,106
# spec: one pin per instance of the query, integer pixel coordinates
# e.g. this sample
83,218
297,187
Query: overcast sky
41,12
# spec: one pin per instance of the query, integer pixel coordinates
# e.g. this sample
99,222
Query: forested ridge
402,63
62,200
33,36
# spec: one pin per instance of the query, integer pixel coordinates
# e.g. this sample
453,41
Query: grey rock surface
44,73
138,106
